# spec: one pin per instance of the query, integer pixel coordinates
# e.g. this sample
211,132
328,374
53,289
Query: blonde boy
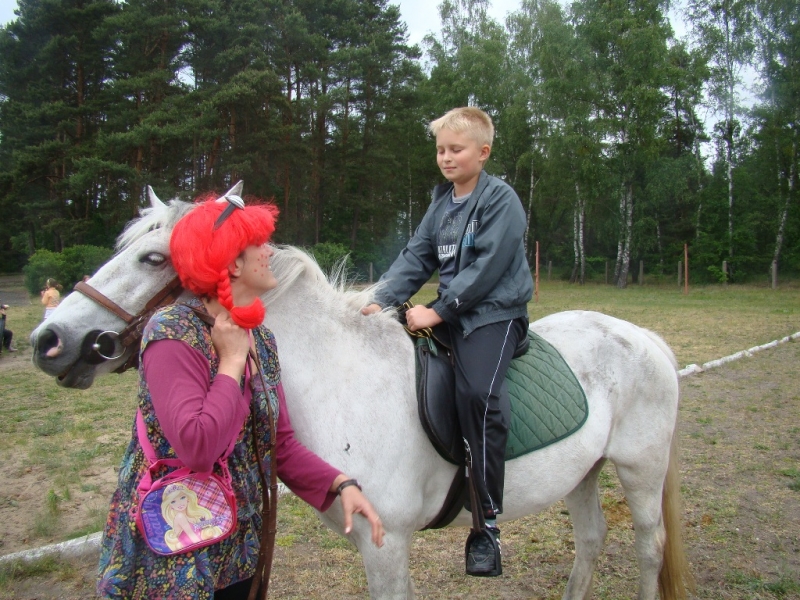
473,234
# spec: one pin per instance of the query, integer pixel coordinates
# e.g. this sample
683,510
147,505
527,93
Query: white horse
350,388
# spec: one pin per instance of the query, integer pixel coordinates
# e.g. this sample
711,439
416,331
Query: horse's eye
153,258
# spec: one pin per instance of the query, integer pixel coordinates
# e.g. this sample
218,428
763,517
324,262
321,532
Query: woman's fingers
353,501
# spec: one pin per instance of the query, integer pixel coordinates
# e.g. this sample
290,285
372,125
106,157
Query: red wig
201,254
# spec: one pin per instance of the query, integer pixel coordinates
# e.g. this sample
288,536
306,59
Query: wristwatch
347,483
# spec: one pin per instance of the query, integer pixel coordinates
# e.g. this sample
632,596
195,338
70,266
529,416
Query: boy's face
460,159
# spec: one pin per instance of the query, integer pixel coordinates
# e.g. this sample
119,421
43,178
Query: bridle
131,335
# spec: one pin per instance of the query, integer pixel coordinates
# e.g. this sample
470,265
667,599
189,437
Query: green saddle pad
547,401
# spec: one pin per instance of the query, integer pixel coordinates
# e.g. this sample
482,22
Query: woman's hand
354,501
420,317
232,344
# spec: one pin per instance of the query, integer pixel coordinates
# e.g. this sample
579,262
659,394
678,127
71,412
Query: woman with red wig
197,390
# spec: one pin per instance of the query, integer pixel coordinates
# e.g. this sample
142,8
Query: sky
7,8
422,16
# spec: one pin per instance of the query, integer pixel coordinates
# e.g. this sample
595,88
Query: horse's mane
153,217
290,263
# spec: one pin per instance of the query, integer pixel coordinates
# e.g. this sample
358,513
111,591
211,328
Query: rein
131,335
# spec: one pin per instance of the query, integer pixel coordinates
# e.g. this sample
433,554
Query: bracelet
347,483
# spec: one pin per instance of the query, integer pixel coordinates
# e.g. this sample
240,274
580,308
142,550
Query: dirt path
740,454
12,291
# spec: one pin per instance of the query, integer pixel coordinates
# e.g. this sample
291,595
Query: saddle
547,404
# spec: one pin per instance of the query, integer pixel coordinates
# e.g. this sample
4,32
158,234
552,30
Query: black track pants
484,412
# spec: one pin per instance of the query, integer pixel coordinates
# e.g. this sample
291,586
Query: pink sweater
200,418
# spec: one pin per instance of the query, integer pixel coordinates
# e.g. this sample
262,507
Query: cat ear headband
234,199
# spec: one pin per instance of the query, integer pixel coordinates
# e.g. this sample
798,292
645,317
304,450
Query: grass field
60,448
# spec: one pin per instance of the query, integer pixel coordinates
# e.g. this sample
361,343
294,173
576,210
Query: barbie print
177,516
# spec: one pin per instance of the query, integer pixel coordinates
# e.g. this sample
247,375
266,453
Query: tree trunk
699,162
581,203
232,139
620,236
789,194
534,182
408,167
660,244
574,275
730,192
626,215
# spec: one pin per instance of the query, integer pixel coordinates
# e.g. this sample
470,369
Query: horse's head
80,339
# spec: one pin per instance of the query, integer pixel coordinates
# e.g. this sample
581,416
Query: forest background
322,107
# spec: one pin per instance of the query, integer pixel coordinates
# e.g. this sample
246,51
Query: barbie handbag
184,510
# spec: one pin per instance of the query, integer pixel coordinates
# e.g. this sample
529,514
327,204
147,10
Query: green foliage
84,260
597,109
794,478
330,256
67,267
42,265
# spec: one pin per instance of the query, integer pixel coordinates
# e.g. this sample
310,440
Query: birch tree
777,35
628,44
724,31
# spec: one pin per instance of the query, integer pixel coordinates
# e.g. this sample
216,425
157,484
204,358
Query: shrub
66,267
41,265
328,255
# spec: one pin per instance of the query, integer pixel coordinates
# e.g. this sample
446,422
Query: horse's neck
308,313
295,311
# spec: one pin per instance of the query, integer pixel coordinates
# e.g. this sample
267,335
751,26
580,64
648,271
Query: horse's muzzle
71,369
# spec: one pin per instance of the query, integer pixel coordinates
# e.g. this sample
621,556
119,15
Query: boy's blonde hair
467,119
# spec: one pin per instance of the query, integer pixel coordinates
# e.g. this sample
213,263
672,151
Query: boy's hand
371,309
420,317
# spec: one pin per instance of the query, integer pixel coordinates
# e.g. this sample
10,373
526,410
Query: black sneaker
483,553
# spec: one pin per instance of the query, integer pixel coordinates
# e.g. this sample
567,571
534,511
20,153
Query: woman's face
256,272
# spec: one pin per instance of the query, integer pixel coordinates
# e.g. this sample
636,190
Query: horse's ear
155,202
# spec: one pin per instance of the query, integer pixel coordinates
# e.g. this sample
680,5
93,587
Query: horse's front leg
387,570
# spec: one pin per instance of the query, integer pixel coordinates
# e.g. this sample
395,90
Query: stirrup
485,561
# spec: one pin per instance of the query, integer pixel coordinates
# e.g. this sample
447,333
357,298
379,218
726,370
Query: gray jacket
492,281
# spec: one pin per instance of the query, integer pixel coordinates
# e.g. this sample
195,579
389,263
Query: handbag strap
147,447
154,463
141,428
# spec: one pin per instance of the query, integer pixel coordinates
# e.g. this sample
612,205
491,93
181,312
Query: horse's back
625,370
582,336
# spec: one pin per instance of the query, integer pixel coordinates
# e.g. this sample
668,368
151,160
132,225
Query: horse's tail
675,577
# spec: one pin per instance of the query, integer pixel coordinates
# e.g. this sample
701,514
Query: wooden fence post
549,269
725,270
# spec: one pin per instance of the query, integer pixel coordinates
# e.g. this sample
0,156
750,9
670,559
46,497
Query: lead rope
259,588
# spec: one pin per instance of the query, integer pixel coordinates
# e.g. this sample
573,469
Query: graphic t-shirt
447,239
